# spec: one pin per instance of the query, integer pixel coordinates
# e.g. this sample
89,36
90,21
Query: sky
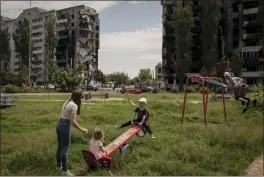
130,36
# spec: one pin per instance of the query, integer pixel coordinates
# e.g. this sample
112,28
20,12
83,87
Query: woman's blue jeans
63,130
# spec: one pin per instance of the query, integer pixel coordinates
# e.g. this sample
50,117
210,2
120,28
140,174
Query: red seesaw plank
122,139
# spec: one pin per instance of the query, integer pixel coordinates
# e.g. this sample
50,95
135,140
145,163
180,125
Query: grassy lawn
28,142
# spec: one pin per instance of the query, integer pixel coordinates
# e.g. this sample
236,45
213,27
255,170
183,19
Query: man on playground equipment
239,90
142,117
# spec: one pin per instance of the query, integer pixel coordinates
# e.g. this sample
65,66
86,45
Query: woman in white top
239,89
68,114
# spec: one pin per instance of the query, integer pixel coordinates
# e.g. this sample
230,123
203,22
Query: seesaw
121,142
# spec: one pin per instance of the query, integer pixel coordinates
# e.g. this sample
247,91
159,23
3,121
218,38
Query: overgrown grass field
28,138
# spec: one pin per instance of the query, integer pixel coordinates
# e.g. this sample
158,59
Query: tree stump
88,96
106,95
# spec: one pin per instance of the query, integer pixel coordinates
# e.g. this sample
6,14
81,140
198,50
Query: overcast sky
131,31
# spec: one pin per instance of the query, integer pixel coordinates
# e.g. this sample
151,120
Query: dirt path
256,168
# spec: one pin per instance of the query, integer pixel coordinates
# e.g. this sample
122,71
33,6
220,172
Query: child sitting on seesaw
97,148
142,117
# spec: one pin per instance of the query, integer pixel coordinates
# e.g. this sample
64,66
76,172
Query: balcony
37,51
252,23
65,20
37,30
167,2
252,48
253,74
251,36
251,11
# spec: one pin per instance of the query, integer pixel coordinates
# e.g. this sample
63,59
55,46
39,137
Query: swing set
208,81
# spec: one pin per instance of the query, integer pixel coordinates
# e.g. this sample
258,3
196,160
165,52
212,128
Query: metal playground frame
204,80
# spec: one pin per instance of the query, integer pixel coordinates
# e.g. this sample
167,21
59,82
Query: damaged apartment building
241,26
78,30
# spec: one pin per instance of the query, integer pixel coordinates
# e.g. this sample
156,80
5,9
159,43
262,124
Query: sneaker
68,173
118,126
244,110
152,137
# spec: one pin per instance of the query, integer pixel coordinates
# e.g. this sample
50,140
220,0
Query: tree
236,64
134,81
21,38
145,75
118,77
5,51
51,41
210,16
67,79
182,21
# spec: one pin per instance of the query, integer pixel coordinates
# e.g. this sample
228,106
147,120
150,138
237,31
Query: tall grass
28,143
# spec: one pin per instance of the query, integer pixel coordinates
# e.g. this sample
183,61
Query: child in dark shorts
239,90
142,117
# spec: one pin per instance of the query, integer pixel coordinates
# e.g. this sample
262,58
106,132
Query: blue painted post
5,100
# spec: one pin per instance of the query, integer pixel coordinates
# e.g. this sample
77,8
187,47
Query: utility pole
29,51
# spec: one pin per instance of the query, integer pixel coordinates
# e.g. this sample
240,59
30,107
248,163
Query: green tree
67,79
21,38
118,77
134,81
210,16
5,51
51,41
145,75
182,21
236,64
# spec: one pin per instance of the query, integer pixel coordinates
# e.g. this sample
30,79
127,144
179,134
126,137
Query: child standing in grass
97,148
142,117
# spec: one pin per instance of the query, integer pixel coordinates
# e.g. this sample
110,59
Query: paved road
54,94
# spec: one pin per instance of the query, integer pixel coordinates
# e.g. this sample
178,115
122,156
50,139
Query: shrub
257,93
11,89
175,90
15,89
155,90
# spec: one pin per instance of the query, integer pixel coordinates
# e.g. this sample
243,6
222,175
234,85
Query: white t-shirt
69,111
237,80
95,148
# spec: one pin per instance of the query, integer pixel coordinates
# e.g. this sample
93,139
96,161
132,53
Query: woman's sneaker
152,136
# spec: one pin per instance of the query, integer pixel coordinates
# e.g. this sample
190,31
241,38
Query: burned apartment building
78,30
227,43
245,34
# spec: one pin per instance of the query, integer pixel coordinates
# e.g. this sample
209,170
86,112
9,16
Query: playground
28,143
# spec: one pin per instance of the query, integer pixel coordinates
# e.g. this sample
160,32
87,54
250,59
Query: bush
155,90
190,90
257,93
15,89
11,89
175,90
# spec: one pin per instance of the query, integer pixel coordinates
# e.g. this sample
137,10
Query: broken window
235,8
